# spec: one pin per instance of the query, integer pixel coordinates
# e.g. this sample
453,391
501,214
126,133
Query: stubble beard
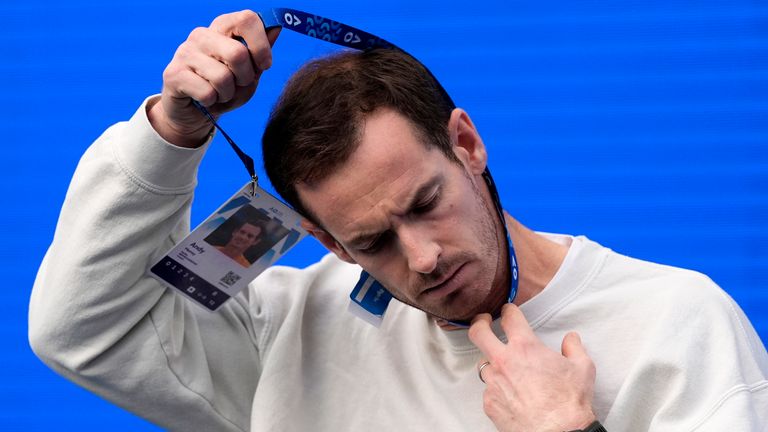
484,296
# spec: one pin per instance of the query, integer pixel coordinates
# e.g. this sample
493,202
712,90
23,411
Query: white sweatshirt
673,352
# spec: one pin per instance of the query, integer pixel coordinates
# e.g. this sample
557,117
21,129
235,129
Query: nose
421,251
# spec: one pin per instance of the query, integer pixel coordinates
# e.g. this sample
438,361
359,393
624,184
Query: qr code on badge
230,278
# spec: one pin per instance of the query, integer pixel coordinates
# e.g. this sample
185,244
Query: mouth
446,286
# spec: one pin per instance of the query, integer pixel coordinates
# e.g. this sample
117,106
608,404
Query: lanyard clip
254,184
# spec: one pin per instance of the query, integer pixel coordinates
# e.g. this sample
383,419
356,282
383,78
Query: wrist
580,419
192,138
595,426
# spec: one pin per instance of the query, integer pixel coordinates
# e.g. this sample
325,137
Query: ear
467,144
327,240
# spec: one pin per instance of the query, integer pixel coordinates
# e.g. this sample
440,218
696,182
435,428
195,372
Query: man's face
245,236
421,224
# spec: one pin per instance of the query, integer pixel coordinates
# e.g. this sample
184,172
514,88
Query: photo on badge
247,235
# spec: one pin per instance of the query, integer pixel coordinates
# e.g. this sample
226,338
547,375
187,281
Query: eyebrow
415,200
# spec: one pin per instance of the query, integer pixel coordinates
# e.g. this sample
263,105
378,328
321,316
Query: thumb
574,351
272,35
572,347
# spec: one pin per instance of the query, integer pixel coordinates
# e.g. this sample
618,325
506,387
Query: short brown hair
315,125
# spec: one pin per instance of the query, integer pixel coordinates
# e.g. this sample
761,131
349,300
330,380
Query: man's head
370,149
325,104
243,237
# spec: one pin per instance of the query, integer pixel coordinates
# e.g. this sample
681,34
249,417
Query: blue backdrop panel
641,124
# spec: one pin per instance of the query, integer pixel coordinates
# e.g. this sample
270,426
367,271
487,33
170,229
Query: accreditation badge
230,248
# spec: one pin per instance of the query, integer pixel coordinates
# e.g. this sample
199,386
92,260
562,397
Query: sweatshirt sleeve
95,316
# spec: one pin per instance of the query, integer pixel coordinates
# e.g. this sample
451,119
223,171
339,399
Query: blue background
641,124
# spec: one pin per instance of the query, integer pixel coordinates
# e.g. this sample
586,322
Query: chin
469,309
465,313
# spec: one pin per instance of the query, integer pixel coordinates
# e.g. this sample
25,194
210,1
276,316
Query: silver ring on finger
480,370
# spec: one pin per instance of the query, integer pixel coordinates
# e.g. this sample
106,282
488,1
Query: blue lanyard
376,300
322,28
514,271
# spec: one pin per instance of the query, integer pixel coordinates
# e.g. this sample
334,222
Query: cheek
456,221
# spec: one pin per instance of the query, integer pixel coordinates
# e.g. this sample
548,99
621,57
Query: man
390,177
242,238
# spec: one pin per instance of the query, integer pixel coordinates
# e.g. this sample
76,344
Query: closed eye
376,244
429,205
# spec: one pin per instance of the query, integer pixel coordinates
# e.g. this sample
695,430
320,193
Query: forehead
249,227
390,163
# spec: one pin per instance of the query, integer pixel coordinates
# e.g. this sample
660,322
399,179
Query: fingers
573,349
572,346
482,336
272,35
483,366
220,79
184,83
221,49
225,68
242,96
247,25
214,69
514,324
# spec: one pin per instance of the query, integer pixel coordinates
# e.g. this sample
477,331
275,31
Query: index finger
514,323
482,336
248,26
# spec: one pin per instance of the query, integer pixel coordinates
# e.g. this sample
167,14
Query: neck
232,251
538,259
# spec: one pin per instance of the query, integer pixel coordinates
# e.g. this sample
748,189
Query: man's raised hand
215,69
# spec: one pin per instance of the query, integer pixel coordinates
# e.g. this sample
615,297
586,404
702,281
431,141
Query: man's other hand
528,386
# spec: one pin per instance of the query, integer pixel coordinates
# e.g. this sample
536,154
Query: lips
446,286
